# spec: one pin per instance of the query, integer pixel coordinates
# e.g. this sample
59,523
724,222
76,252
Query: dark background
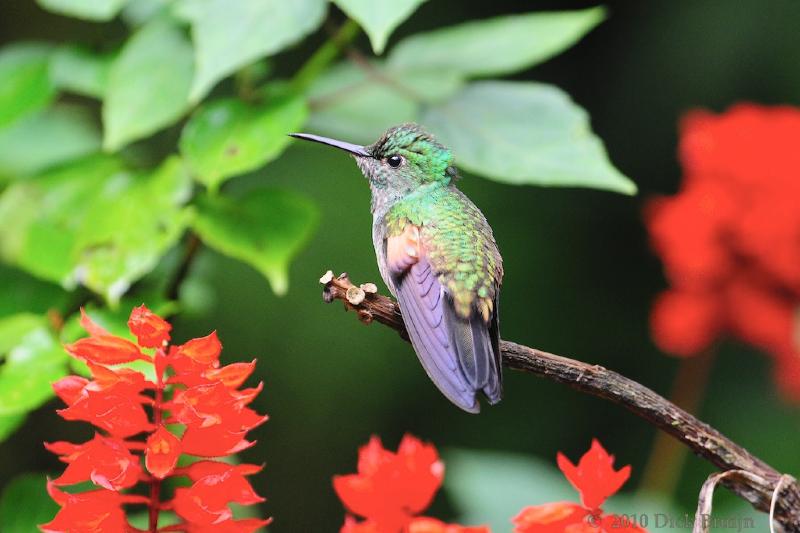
579,273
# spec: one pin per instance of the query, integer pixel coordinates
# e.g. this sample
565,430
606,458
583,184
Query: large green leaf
230,35
491,487
14,328
47,138
26,86
77,70
265,229
496,46
148,84
94,222
355,105
29,369
524,133
378,18
229,137
98,10
25,504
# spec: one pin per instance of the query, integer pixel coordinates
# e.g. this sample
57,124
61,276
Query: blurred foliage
148,123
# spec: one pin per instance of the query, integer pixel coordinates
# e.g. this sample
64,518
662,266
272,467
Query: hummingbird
438,257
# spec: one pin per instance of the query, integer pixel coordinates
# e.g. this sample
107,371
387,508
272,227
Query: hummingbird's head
404,158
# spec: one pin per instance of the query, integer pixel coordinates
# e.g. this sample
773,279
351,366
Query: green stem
667,457
324,55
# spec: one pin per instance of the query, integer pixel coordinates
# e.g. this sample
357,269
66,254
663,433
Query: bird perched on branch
437,255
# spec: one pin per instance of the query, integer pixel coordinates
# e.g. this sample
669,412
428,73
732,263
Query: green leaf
491,487
265,229
94,222
230,35
77,70
45,139
25,504
139,12
524,133
97,10
354,106
148,84
14,328
26,86
229,137
378,18
498,45
30,367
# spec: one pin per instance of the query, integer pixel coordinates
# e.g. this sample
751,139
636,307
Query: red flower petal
91,327
106,349
248,525
204,350
549,518
120,415
151,330
594,477
161,452
104,461
92,511
431,525
70,388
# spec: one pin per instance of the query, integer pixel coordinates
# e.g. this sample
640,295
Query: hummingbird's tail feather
473,340
458,355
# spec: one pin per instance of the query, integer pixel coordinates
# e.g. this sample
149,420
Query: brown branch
757,486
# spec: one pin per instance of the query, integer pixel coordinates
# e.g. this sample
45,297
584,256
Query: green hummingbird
437,255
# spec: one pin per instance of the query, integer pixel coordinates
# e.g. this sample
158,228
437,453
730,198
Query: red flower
161,452
595,480
150,330
104,461
594,477
390,489
86,512
206,399
215,486
730,239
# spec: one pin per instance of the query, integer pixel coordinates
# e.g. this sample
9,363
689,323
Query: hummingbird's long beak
341,145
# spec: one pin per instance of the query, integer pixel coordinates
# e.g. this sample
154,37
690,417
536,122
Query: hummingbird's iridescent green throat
437,255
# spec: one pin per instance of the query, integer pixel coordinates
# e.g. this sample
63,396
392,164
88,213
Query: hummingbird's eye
394,160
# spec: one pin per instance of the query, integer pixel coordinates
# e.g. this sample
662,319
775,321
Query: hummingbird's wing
454,333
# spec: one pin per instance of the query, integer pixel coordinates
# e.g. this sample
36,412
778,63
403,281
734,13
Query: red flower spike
150,330
594,477
161,452
213,410
86,512
204,350
730,239
103,461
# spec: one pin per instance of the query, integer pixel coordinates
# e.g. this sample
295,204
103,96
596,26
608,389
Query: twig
757,485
